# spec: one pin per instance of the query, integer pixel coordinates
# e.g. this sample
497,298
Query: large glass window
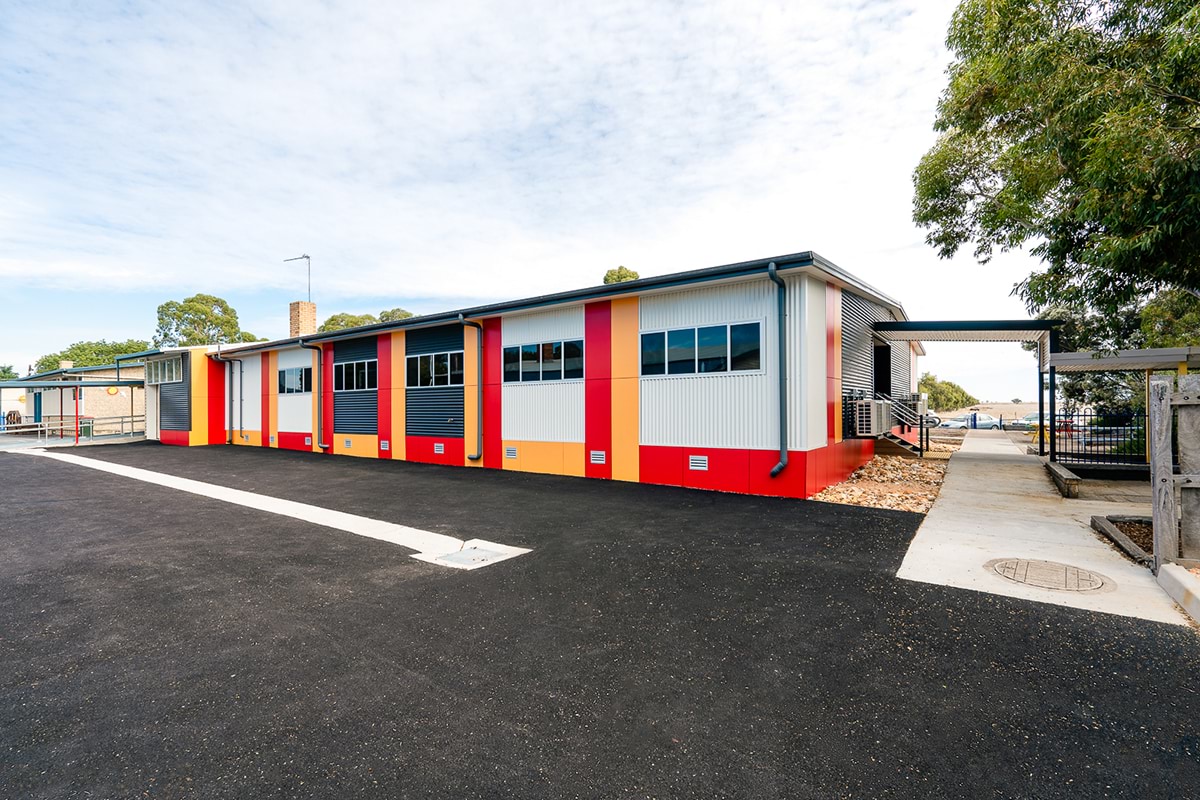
707,350
654,354
681,351
545,361
168,370
356,376
295,380
435,369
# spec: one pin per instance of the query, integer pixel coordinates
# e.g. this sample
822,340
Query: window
708,350
295,380
356,376
166,371
435,369
546,361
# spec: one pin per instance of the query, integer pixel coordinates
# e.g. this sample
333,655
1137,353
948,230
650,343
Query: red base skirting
294,441
421,448
178,438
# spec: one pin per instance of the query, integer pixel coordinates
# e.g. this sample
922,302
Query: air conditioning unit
871,417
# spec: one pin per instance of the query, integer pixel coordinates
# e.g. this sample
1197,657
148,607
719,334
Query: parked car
986,421
932,420
1028,422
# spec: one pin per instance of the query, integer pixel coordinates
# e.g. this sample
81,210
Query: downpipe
781,336
321,443
478,454
241,383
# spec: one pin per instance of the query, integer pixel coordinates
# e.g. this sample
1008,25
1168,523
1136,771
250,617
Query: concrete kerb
1184,588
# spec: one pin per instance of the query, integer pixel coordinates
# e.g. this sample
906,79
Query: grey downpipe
241,376
781,325
478,454
320,392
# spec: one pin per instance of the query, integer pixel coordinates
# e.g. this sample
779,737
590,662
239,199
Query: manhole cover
1048,574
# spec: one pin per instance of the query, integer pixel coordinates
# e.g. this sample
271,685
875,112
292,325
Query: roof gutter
781,336
321,443
478,454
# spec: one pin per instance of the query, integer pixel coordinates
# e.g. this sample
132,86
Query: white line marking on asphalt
435,548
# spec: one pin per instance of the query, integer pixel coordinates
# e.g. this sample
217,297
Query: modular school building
733,378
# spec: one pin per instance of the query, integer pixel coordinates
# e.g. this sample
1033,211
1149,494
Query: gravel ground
895,482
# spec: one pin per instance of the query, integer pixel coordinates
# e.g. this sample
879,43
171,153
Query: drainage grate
1049,575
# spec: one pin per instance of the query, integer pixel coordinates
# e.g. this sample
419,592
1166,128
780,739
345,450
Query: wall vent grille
439,448
599,457
698,463
308,441
510,452
385,445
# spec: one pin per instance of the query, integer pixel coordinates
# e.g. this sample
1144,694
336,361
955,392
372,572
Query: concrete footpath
998,508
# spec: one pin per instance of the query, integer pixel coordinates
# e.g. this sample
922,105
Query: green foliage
1073,125
200,319
7,373
339,322
1171,319
91,354
394,315
620,275
944,395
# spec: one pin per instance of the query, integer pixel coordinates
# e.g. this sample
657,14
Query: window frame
305,380
539,349
154,371
433,374
340,368
728,371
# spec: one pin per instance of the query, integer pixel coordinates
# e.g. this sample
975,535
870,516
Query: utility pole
309,260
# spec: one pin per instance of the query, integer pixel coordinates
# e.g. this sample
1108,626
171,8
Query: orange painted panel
364,445
251,438
398,443
199,388
625,354
574,458
543,457
471,396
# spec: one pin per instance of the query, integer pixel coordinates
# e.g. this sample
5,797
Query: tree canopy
394,315
1073,126
620,275
198,320
944,395
91,354
339,322
7,373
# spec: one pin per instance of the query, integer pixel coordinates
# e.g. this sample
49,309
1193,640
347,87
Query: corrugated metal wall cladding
901,369
355,412
175,400
732,410
544,326
735,302
434,411
543,412
858,365
355,350
441,339
735,411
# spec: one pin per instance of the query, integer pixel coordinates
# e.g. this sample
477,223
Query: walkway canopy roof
1127,360
1037,331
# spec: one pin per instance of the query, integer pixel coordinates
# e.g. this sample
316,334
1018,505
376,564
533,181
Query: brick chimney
302,318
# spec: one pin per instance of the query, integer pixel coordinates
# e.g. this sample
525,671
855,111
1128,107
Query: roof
75,370
1126,360
1003,330
806,259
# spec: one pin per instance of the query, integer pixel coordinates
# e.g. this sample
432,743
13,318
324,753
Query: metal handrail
81,427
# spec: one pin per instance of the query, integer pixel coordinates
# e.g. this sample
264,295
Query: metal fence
83,429
1103,438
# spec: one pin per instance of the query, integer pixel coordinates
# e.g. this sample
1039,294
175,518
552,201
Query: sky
436,156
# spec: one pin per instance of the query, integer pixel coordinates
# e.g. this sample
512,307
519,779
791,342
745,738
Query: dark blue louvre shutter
356,412
434,410
442,339
175,401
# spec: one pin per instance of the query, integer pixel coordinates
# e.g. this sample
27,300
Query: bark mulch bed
1140,533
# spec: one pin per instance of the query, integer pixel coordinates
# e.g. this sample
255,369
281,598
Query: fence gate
1176,528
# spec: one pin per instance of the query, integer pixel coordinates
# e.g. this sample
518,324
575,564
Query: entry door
883,369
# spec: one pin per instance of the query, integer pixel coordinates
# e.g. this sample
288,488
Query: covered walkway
998,511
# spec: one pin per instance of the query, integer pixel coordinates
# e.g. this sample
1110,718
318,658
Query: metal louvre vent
385,445
308,441
599,457
439,448
510,452
698,463
349,442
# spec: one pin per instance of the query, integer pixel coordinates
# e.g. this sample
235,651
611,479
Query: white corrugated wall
735,410
543,326
807,372
551,411
295,410
250,402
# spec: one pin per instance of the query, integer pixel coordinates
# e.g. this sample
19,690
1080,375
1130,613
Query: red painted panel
178,438
294,441
911,435
598,387
728,470
788,483
216,402
662,465
327,397
264,373
493,375
420,448
383,401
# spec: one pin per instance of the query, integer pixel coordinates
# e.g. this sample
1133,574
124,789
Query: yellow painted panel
364,445
574,458
397,442
625,354
199,368
248,438
272,382
543,457
836,322
470,395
